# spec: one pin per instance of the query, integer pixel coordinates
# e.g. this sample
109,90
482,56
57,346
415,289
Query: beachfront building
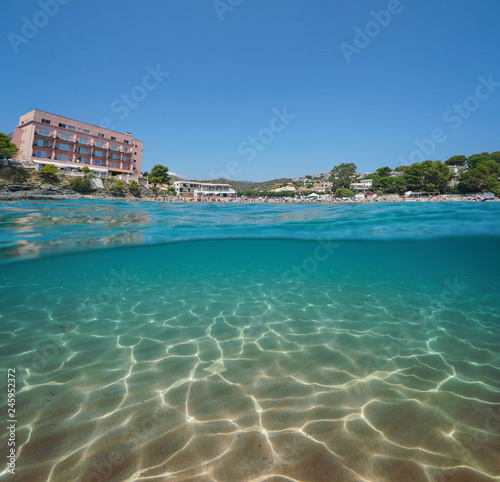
203,189
362,185
44,138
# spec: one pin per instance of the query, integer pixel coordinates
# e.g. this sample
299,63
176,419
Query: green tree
159,175
474,160
456,161
8,150
343,192
85,169
495,156
492,184
343,175
383,171
392,185
134,186
49,171
475,180
427,176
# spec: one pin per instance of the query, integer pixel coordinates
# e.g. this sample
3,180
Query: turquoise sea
252,342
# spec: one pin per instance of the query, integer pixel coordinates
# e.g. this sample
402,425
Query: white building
362,185
200,189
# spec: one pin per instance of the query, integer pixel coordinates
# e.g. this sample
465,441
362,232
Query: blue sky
260,89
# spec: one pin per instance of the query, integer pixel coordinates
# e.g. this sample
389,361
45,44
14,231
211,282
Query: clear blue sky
228,77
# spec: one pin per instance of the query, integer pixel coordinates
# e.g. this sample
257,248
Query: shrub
118,186
134,186
80,184
343,192
85,169
49,171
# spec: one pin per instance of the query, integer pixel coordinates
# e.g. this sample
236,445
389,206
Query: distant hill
255,186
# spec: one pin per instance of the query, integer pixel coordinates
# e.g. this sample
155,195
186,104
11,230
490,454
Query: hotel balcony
50,135
42,147
58,136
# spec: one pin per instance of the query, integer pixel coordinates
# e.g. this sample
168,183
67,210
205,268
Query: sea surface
252,342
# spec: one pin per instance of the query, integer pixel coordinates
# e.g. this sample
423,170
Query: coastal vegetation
8,149
49,172
81,184
342,176
118,186
134,187
159,175
343,192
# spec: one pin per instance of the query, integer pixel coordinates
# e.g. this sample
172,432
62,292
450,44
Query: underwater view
252,342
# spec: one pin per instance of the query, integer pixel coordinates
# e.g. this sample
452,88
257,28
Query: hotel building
201,189
45,138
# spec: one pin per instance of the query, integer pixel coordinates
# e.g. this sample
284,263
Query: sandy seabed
230,377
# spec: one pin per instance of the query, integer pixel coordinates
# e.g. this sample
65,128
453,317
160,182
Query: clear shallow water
350,355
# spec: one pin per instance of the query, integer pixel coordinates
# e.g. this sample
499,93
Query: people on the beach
324,199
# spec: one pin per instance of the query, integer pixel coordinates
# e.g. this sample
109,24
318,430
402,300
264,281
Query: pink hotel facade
45,138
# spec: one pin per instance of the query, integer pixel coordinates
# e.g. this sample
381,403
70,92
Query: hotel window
62,125
42,143
62,157
100,135
83,141
113,148
63,147
98,153
40,154
112,164
65,137
82,150
99,144
43,132
114,156
126,142
45,121
97,162
86,131
113,138
71,128
125,159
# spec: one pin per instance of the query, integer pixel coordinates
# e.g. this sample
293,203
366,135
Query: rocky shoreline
48,192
